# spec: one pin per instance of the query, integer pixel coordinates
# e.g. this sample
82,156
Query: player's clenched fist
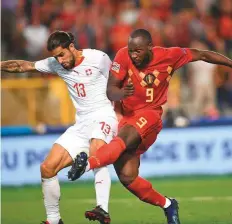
128,90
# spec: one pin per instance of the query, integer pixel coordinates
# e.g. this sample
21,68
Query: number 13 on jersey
80,88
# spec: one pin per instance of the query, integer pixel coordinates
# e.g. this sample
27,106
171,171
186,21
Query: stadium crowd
197,90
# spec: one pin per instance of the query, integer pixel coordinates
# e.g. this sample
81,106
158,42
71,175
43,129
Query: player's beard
145,61
72,61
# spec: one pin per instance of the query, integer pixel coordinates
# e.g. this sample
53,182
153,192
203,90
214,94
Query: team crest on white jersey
88,71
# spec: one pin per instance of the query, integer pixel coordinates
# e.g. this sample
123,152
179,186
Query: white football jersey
86,82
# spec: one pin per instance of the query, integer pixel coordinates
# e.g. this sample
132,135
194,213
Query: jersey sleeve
105,64
46,65
179,56
119,66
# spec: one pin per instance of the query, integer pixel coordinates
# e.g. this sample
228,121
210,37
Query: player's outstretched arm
17,66
210,57
114,90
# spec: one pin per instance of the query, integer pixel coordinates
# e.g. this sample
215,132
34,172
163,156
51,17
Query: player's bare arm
114,90
210,57
17,66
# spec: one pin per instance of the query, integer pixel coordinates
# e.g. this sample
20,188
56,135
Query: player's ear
150,46
71,47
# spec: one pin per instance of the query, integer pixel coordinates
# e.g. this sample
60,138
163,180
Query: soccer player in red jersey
139,78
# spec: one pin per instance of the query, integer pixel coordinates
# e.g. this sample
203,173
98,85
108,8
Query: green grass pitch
203,200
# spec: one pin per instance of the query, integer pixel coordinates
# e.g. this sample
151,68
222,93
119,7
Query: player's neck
150,57
78,57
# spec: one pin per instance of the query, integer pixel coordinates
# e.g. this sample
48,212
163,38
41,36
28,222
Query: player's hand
128,90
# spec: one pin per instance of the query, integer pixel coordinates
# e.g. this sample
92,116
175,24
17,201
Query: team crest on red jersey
149,79
115,67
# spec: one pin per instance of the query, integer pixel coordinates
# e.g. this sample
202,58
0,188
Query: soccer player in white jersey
86,73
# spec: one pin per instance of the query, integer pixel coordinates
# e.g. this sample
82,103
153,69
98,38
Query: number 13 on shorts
105,127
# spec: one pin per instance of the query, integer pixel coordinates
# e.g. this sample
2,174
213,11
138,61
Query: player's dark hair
142,33
59,38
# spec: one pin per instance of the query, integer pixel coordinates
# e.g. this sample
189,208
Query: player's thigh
147,121
148,124
127,167
130,136
75,140
57,159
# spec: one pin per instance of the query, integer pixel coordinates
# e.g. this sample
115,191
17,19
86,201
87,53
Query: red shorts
148,124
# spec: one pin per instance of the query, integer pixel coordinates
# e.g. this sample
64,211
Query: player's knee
46,171
94,146
126,179
131,140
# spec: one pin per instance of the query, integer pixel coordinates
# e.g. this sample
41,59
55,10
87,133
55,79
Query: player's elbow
114,93
199,55
204,55
109,94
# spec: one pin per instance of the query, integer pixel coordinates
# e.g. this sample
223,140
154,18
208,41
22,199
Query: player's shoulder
93,53
54,64
93,56
161,51
122,55
123,52
90,51
49,62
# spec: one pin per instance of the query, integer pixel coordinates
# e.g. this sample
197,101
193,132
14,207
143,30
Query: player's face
64,56
140,51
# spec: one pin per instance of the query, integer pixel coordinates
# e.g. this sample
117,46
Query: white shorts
100,125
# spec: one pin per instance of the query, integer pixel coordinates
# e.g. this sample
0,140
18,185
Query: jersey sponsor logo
99,182
88,71
115,67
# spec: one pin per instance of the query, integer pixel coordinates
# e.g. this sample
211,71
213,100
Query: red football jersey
150,83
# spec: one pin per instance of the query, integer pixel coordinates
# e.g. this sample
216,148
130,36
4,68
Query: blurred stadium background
192,158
